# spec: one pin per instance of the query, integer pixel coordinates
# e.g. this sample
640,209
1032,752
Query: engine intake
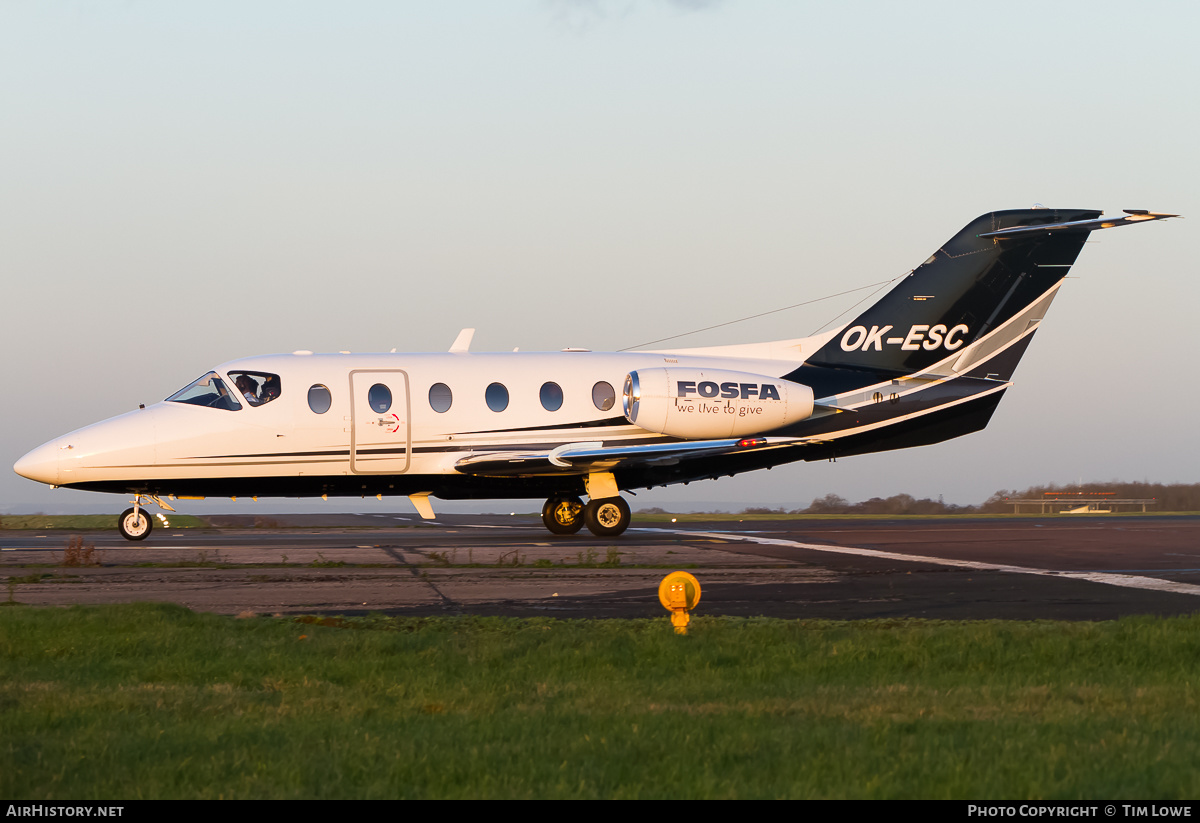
707,404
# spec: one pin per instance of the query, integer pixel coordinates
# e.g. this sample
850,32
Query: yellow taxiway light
679,592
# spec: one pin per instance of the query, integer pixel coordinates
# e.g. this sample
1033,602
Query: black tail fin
970,286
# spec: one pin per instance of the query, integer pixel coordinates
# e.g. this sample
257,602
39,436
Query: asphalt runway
1068,567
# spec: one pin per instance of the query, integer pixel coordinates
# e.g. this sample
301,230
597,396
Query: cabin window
319,399
440,397
380,398
552,396
496,397
256,386
210,390
603,396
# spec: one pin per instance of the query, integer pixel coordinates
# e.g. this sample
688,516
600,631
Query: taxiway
1065,567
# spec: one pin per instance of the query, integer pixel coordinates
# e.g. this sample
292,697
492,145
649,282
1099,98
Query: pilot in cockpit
249,389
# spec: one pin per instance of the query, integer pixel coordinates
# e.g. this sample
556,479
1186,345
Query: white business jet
928,362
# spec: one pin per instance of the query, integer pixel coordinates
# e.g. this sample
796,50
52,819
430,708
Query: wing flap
583,458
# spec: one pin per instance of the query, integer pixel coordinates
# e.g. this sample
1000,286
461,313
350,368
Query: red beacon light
746,442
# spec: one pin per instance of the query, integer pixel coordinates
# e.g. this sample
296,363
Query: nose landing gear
136,523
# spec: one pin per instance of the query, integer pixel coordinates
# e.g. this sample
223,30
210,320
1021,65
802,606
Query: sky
184,183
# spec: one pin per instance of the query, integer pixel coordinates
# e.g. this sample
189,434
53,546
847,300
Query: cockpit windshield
209,391
256,386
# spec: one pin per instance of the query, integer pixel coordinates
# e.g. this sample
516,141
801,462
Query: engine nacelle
709,404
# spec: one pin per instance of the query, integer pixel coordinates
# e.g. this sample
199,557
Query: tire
607,517
135,527
563,515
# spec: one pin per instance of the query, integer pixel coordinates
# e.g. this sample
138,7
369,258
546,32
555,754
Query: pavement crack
421,575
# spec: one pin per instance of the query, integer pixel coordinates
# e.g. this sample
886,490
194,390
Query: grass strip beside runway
88,522
155,701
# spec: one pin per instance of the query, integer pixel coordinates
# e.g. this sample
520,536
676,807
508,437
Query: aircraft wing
582,458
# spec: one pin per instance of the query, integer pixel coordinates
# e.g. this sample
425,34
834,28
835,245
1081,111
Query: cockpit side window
256,386
210,390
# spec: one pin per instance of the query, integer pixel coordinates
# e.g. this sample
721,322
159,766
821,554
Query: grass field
700,517
98,522
86,522
155,701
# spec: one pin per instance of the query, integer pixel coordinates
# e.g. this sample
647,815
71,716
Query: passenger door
379,413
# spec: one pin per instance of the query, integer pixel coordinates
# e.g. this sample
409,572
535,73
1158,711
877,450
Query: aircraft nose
41,464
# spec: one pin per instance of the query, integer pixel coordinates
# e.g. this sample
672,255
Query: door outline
356,416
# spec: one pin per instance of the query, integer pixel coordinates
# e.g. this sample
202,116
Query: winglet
462,343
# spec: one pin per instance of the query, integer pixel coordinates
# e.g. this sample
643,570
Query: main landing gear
606,517
563,515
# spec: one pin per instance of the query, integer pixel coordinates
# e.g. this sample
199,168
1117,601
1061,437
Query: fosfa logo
763,391
857,338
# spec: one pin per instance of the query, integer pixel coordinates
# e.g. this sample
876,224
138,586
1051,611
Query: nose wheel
135,524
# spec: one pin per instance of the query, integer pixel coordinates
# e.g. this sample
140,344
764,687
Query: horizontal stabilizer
999,272
1075,226
582,458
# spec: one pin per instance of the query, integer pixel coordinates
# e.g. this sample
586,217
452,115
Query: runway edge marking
1129,581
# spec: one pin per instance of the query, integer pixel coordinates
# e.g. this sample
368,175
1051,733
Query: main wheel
607,517
135,524
563,515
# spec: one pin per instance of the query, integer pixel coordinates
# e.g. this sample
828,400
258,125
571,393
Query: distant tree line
896,504
1169,497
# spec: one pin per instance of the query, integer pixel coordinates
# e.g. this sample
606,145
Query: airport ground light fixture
679,592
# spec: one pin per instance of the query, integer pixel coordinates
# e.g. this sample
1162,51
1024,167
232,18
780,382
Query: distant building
1081,503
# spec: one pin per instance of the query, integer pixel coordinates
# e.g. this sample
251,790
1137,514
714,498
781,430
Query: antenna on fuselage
462,343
